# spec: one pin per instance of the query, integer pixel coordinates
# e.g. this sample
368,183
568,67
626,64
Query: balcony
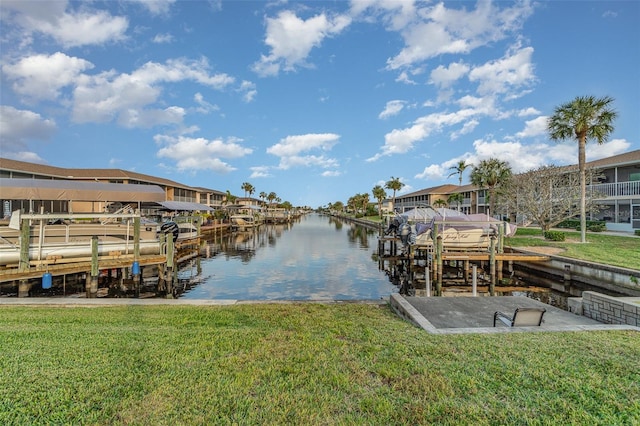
621,189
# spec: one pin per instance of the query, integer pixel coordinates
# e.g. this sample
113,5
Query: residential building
94,190
619,185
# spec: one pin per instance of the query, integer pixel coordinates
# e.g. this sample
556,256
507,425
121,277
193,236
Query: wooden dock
415,267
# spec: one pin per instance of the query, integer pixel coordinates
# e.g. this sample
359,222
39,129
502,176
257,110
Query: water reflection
315,258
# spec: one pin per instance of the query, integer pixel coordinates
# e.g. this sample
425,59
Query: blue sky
316,101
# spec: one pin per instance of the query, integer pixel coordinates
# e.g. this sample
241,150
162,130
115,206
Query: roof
184,206
83,174
53,189
442,189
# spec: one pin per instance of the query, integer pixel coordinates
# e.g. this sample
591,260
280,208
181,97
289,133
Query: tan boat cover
46,189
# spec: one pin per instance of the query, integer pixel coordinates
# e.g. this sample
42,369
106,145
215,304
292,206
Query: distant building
32,187
620,183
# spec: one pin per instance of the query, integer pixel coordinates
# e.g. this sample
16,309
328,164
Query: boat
459,231
59,238
243,221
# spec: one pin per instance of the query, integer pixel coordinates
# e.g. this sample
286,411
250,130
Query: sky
316,101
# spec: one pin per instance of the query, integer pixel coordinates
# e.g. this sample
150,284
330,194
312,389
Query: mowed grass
302,363
607,249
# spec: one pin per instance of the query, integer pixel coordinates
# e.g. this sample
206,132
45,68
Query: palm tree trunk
582,143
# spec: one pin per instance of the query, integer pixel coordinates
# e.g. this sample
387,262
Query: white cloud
18,126
527,112
535,127
157,7
392,108
444,77
249,91
293,145
436,30
108,96
400,141
69,28
331,173
43,76
162,38
291,39
200,153
260,172
290,148
503,75
204,106
432,172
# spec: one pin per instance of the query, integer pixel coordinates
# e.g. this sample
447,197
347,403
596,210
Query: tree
263,196
491,174
364,201
584,118
272,196
439,203
457,198
379,194
394,184
459,169
230,199
247,188
548,195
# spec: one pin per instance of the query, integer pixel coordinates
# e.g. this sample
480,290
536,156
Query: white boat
58,239
244,222
459,231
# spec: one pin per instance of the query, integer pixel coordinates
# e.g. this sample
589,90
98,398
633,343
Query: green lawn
302,364
608,249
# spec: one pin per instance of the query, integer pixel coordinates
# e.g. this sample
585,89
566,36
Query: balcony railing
621,189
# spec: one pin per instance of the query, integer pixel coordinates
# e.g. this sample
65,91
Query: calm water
315,258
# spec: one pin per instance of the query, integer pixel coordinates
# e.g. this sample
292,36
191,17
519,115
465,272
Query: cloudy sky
315,101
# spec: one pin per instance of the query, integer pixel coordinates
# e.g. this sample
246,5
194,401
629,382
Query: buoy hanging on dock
47,278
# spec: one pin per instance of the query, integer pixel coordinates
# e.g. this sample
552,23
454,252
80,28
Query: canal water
314,258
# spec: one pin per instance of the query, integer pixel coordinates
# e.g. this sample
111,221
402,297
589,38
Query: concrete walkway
466,314
437,315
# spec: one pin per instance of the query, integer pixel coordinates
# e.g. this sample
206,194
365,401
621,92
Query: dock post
474,281
427,280
466,272
439,263
501,232
93,281
170,264
492,266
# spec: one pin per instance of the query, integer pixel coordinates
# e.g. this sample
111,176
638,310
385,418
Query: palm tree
584,118
230,199
247,188
394,184
272,196
459,169
491,174
456,197
439,203
379,194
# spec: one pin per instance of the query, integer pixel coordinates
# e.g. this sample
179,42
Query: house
619,185
32,187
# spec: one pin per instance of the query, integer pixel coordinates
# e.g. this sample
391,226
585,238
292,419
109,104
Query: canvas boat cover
72,190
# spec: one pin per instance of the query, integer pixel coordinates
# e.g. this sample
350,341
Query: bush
575,224
554,235
637,232
597,227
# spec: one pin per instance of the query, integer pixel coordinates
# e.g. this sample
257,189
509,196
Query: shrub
554,235
637,232
575,224
597,227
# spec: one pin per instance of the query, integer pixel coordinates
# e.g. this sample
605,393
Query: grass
302,364
607,249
